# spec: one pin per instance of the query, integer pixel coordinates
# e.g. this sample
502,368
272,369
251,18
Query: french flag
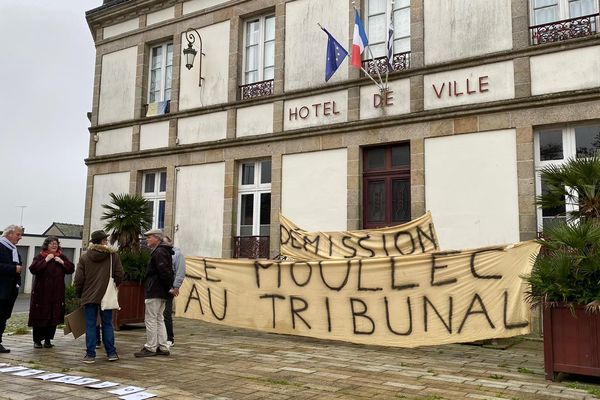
359,41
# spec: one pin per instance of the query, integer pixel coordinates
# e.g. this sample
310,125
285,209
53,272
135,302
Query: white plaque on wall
322,109
395,101
480,84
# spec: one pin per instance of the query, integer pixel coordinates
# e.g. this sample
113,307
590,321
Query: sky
47,71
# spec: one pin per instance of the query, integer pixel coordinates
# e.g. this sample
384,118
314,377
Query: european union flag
335,55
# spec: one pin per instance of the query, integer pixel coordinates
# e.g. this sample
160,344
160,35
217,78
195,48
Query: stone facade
520,112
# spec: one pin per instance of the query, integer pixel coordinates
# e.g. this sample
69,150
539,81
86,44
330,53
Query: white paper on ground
4,365
84,381
28,372
138,396
13,369
46,377
126,390
103,385
66,379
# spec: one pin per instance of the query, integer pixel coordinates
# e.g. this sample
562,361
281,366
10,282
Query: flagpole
379,85
370,77
389,66
376,68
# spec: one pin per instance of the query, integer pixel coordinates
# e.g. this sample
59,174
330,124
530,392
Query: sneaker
48,344
4,349
89,359
144,352
170,343
37,345
113,357
160,352
98,345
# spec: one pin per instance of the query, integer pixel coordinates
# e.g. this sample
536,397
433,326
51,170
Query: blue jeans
108,334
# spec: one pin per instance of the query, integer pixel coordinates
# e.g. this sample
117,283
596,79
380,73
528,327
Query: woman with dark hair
47,307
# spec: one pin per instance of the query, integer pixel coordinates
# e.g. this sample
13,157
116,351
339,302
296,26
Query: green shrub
134,264
568,268
72,303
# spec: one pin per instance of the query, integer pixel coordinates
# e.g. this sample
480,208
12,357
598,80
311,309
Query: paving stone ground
215,362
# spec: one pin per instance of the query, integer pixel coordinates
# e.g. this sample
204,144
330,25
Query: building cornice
363,81
546,100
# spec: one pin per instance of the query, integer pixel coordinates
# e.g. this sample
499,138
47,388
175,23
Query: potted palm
127,217
565,278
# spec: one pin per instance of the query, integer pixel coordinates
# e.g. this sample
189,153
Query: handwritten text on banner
405,301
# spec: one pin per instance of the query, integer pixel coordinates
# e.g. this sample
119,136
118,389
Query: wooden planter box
571,343
131,300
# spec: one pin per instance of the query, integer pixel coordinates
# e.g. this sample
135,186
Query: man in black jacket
10,275
158,282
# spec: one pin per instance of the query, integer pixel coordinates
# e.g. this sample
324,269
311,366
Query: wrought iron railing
251,247
400,62
564,30
257,89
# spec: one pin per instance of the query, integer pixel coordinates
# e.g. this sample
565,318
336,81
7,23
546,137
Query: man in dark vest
10,275
158,282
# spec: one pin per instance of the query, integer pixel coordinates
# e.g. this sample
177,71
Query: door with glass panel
386,185
254,210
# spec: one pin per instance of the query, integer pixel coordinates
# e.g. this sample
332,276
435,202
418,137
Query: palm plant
576,183
126,218
568,268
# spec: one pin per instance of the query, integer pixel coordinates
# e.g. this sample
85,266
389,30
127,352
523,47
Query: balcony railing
400,62
257,89
251,247
564,30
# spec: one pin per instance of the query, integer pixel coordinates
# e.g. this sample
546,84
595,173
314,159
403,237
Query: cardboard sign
75,323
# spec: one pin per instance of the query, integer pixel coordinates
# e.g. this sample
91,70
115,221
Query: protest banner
404,301
414,237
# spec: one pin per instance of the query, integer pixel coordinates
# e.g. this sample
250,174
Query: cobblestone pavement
215,362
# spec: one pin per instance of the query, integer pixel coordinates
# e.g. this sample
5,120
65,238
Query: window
554,146
386,185
377,20
546,11
259,56
254,209
154,189
254,216
161,73
562,19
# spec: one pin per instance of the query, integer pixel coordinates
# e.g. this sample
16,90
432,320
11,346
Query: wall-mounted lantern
189,53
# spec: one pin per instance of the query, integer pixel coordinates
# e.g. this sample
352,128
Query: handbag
110,300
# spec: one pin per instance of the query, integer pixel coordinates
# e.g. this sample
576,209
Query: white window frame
257,188
563,11
156,196
163,73
261,48
388,10
569,148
